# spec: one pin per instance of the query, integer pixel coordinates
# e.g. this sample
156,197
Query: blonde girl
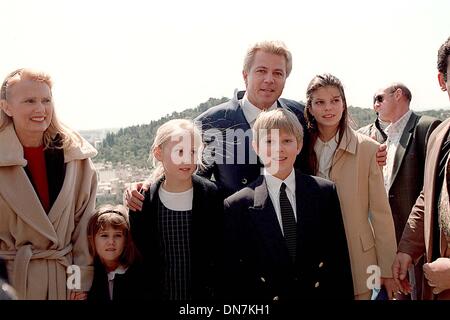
177,229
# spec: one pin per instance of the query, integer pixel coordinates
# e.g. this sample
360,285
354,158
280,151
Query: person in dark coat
118,273
177,230
284,237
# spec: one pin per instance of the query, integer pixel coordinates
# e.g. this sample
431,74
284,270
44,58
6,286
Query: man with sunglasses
406,135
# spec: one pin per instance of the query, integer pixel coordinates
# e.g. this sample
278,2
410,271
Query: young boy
284,236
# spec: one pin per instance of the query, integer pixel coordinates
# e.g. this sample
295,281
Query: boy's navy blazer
207,211
257,264
231,169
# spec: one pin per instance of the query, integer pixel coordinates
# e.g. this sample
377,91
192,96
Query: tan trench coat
359,183
39,247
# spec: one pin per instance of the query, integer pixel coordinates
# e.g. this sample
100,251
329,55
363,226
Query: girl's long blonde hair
66,137
170,130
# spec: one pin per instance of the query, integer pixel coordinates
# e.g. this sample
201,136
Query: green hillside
131,145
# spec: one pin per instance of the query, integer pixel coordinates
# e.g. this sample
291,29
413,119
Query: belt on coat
22,258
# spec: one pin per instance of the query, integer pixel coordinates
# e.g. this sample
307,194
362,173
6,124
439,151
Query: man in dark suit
406,135
284,236
230,161
227,127
427,230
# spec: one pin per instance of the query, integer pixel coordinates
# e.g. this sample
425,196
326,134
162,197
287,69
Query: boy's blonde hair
170,130
117,218
281,119
66,137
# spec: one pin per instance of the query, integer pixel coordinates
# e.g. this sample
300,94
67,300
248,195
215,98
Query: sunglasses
380,97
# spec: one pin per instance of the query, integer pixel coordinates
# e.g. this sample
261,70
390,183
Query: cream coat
39,247
359,182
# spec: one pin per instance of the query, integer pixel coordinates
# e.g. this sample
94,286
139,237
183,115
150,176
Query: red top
38,170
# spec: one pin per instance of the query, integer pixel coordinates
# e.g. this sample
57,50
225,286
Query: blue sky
120,63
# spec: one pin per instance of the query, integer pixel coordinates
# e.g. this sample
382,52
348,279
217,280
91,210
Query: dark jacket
409,166
232,160
257,265
128,286
206,213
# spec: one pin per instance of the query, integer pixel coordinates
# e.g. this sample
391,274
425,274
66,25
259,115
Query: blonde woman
47,192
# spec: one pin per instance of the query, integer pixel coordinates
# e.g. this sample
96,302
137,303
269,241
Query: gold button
262,279
276,298
317,284
321,265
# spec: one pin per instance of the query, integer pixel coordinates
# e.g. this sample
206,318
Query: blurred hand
132,196
391,286
400,267
438,274
78,295
382,155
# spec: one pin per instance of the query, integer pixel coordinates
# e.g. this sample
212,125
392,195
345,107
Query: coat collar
264,217
348,144
12,149
349,141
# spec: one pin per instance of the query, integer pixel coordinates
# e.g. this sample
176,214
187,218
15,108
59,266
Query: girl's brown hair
322,81
117,218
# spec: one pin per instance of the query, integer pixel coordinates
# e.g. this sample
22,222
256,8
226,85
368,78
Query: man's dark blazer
207,212
232,161
257,265
408,170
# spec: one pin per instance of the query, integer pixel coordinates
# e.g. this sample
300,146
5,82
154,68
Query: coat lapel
405,139
347,145
431,167
30,208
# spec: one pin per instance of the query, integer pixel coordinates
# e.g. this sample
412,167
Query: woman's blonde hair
56,130
281,119
170,130
117,218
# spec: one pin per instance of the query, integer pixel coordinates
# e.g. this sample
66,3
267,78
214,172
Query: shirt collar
251,111
399,125
119,270
332,142
274,184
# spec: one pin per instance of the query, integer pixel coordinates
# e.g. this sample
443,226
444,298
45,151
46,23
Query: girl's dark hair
322,81
117,218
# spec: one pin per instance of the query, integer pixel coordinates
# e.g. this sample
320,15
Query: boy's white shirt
273,186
